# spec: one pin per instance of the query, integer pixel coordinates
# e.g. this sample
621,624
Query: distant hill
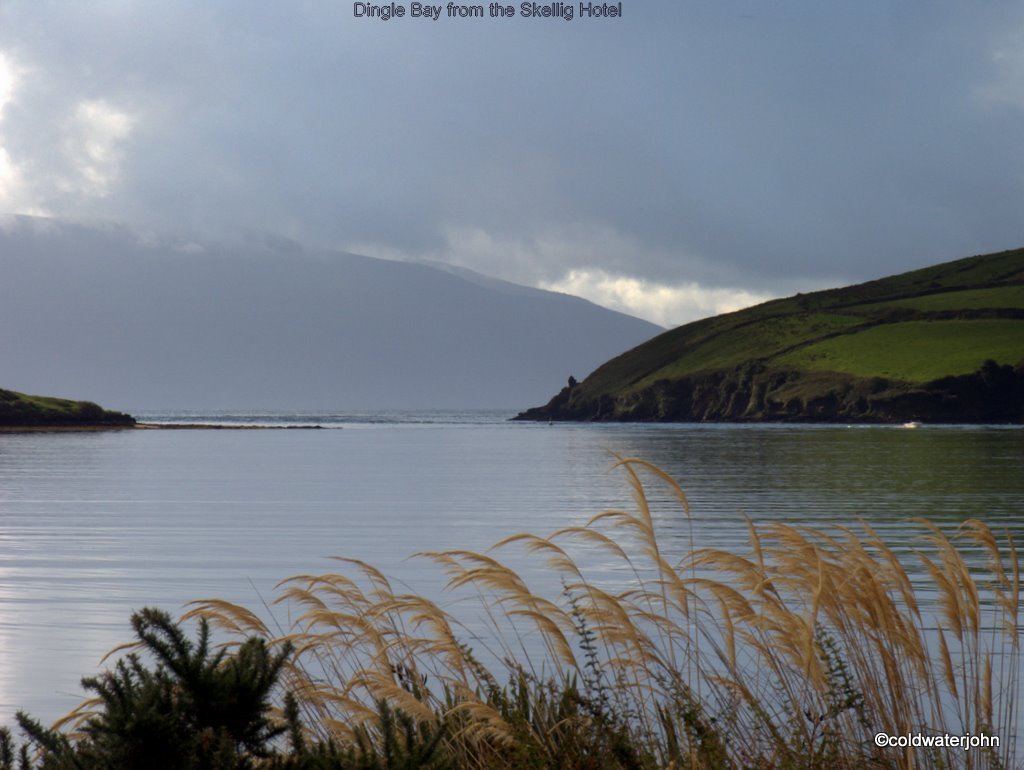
18,410
945,343
269,324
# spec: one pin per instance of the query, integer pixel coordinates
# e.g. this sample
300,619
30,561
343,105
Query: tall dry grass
793,654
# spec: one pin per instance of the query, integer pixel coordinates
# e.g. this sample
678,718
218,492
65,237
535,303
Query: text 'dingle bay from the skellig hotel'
565,11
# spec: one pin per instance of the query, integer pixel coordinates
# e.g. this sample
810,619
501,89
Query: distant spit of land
22,413
147,426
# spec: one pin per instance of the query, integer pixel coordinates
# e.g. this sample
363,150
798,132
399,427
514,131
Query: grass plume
793,654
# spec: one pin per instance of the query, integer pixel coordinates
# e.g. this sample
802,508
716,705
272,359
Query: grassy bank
916,346
793,654
20,410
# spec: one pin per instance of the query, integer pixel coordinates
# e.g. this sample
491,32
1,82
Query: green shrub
196,708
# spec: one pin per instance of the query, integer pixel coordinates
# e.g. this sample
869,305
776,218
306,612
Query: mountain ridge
270,324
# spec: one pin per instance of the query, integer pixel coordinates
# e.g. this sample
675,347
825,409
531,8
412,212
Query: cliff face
993,394
20,410
942,344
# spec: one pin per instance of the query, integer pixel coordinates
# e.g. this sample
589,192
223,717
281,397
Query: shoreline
147,426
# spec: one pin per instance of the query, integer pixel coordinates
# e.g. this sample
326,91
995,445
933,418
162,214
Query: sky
684,159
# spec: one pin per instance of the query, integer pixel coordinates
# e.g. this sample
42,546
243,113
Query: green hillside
18,410
945,343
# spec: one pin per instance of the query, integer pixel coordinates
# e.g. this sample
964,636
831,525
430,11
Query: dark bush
195,709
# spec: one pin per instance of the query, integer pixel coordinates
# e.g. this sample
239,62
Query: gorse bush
793,655
195,708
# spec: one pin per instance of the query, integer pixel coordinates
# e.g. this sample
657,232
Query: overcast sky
686,158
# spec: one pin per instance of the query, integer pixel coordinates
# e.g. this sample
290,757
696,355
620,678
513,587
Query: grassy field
762,339
915,351
968,299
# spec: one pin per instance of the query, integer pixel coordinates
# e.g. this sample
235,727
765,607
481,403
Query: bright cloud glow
15,196
524,258
10,179
664,304
529,260
93,144
90,158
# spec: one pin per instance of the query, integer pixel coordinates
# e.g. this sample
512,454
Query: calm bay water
95,525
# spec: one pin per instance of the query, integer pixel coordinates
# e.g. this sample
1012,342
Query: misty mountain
106,315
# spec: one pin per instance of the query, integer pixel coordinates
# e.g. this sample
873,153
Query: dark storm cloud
757,145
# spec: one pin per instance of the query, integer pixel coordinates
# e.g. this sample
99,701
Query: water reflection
95,525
